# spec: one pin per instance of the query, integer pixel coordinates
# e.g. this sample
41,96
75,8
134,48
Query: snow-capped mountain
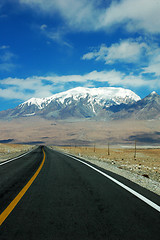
148,108
78,102
96,103
105,96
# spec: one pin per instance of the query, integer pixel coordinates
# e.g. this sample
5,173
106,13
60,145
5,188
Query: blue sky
49,46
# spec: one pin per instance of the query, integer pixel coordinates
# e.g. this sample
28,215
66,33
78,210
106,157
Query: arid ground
81,133
147,161
80,137
144,169
8,151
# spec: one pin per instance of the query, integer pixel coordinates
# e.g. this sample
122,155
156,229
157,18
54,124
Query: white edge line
10,160
144,199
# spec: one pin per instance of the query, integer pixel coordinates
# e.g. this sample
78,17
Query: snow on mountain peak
105,93
34,101
95,95
153,93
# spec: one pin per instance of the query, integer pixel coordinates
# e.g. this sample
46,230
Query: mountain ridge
78,102
105,103
103,93
147,108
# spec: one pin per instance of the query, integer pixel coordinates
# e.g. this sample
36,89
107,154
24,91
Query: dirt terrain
147,161
8,151
142,168
35,130
86,134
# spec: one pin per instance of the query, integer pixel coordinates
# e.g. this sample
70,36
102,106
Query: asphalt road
69,200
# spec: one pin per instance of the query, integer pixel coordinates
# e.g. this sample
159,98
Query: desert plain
73,132
90,139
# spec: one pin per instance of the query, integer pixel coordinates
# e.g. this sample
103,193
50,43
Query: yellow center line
12,205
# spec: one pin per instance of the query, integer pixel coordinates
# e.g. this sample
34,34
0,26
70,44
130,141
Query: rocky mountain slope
75,103
147,108
90,103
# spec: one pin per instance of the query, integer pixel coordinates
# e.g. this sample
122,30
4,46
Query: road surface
69,200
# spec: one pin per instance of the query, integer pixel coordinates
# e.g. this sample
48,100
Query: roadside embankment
142,168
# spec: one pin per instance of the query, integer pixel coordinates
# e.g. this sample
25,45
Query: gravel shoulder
142,170
145,182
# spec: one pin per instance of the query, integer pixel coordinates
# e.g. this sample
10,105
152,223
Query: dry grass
12,150
147,161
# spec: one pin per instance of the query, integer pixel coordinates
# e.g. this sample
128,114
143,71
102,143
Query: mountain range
107,103
147,108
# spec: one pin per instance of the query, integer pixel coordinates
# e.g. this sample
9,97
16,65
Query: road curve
69,200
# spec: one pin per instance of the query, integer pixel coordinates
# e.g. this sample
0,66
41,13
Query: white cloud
130,51
11,93
125,51
6,59
154,64
111,77
153,68
138,15
89,15
39,86
24,88
77,14
56,35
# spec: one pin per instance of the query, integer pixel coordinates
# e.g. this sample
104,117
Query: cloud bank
91,15
45,86
126,51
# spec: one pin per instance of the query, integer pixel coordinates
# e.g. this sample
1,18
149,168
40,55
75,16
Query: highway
47,195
